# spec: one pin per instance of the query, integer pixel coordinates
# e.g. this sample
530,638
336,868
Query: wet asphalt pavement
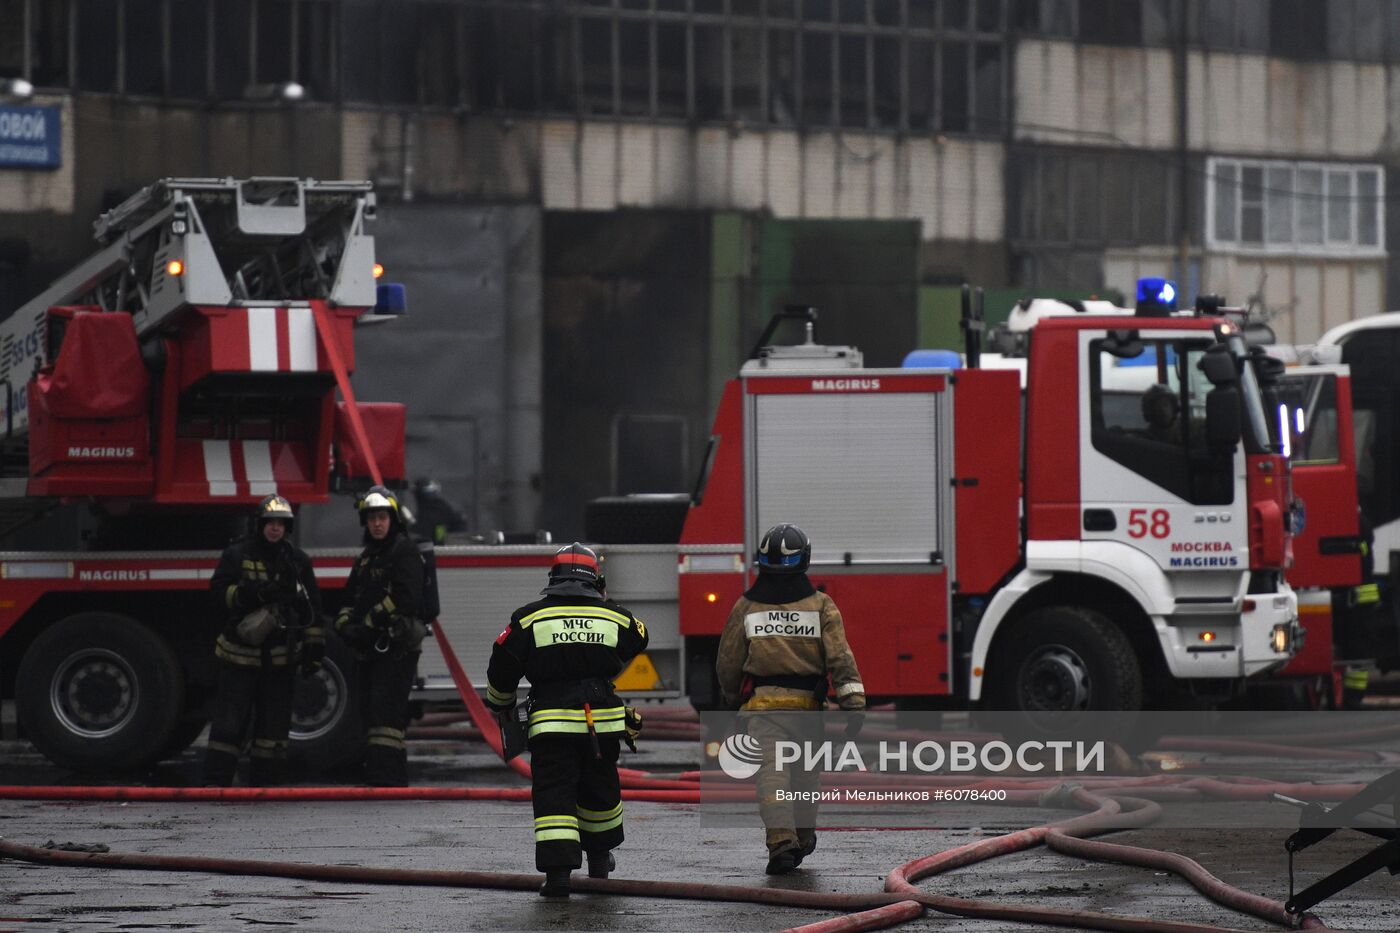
665,842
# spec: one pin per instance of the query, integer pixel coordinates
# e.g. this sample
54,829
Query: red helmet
576,562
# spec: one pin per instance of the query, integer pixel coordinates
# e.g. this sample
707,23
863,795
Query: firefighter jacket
253,575
385,595
570,647
787,649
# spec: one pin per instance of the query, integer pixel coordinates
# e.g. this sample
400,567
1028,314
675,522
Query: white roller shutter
860,472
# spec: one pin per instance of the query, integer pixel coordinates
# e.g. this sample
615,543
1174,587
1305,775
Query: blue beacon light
1156,296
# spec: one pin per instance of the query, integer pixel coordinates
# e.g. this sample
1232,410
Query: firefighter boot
784,851
783,860
1354,685
556,883
806,843
600,864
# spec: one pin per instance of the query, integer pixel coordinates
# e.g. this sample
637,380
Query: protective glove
855,721
312,654
632,721
356,635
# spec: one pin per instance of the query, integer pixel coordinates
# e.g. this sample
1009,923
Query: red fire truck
182,372
1017,534
1340,398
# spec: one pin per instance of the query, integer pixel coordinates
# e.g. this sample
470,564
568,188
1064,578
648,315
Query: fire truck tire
100,692
183,735
328,730
648,519
1064,658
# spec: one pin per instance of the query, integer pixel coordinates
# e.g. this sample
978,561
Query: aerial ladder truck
167,383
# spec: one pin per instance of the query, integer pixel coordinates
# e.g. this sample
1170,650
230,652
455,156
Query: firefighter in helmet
783,648
383,623
267,591
571,645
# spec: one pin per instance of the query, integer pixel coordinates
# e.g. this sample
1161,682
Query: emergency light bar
1156,296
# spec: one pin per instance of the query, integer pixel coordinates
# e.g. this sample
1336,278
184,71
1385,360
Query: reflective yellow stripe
573,720
384,741
1367,593
586,814
549,835
597,821
223,747
1356,680
386,730
575,630
576,728
602,826
496,696
567,612
231,596
237,654
577,715
556,826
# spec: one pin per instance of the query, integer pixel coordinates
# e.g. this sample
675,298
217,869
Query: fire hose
900,902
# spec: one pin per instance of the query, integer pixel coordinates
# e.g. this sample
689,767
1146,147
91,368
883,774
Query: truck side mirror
1223,427
1219,366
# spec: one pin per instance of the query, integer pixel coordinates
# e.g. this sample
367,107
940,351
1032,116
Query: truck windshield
1148,414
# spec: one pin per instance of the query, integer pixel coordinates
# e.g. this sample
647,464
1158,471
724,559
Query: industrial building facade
560,175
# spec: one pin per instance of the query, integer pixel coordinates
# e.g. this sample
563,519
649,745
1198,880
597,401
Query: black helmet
274,506
376,498
577,562
784,548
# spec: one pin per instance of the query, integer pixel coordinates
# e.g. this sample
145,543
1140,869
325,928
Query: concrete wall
1237,104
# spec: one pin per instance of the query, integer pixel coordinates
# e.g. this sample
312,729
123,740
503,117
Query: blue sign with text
30,137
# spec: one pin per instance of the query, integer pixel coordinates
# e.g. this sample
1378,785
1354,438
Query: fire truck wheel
183,735
100,692
1063,658
327,729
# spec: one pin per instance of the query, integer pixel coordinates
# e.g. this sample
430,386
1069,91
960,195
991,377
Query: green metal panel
730,268
861,275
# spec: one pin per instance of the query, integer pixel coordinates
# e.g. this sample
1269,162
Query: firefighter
267,590
571,645
782,642
1160,408
1360,622
383,623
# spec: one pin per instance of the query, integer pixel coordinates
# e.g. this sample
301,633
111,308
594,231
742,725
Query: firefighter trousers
264,693
577,798
386,682
789,818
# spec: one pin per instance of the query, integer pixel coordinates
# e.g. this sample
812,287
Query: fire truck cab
1035,533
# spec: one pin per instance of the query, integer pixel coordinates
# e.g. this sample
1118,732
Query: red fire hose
901,902
870,911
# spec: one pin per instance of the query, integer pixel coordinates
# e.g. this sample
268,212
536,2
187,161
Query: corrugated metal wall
466,361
